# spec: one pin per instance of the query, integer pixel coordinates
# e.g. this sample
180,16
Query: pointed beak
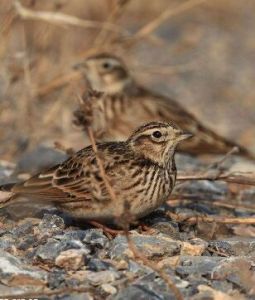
184,135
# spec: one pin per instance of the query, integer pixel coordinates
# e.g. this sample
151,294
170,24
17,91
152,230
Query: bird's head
157,141
105,73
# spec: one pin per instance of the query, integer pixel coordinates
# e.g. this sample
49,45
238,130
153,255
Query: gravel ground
51,256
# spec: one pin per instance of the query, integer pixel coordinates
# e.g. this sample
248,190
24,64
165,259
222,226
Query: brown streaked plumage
126,105
141,171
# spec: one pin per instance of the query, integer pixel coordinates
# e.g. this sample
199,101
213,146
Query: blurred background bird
125,104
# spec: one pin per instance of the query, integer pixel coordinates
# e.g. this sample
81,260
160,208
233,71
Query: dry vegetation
199,52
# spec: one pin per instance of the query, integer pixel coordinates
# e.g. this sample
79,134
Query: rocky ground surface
50,256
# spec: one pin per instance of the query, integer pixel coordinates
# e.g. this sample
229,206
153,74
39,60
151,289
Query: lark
126,105
140,170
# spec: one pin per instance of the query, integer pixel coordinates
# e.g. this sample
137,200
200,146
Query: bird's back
122,113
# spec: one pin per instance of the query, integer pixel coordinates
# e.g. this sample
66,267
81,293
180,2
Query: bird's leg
108,231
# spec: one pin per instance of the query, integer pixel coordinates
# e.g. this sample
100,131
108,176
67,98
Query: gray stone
75,296
14,271
237,246
148,287
96,238
49,251
54,246
50,225
101,277
27,242
7,241
197,265
23,229
96,264
150,246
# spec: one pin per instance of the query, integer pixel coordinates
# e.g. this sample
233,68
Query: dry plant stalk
126,219
139,255
211,219
246,178
63,19
185,200
104,36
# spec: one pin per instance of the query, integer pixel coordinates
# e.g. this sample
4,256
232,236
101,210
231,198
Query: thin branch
125,220
105,36
64,19
57,83
100,165
211,219
184,199
246,178
153,25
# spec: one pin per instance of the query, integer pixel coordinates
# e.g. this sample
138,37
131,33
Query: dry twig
125,220
105,37
246,178
211,219
63,19
185,199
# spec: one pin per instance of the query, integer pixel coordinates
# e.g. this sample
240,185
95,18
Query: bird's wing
73,179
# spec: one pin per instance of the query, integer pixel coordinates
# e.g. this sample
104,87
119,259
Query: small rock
54,246
7,241
99,278
75,296
108,288
96,238
50,225
237,246
197,265
14,272
236,270
72,259
195,247
96,264
49,251
150,246
23,229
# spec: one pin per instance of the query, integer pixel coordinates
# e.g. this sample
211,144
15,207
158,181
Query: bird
126,104
141,171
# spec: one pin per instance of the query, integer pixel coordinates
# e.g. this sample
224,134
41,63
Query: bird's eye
157,134
106,65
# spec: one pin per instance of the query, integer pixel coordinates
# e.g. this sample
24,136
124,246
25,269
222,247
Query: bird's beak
79,66
184,135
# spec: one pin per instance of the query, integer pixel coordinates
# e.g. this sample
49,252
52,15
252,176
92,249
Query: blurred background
200,53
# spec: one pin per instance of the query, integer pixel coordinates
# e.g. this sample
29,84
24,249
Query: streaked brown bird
125,105
141,171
